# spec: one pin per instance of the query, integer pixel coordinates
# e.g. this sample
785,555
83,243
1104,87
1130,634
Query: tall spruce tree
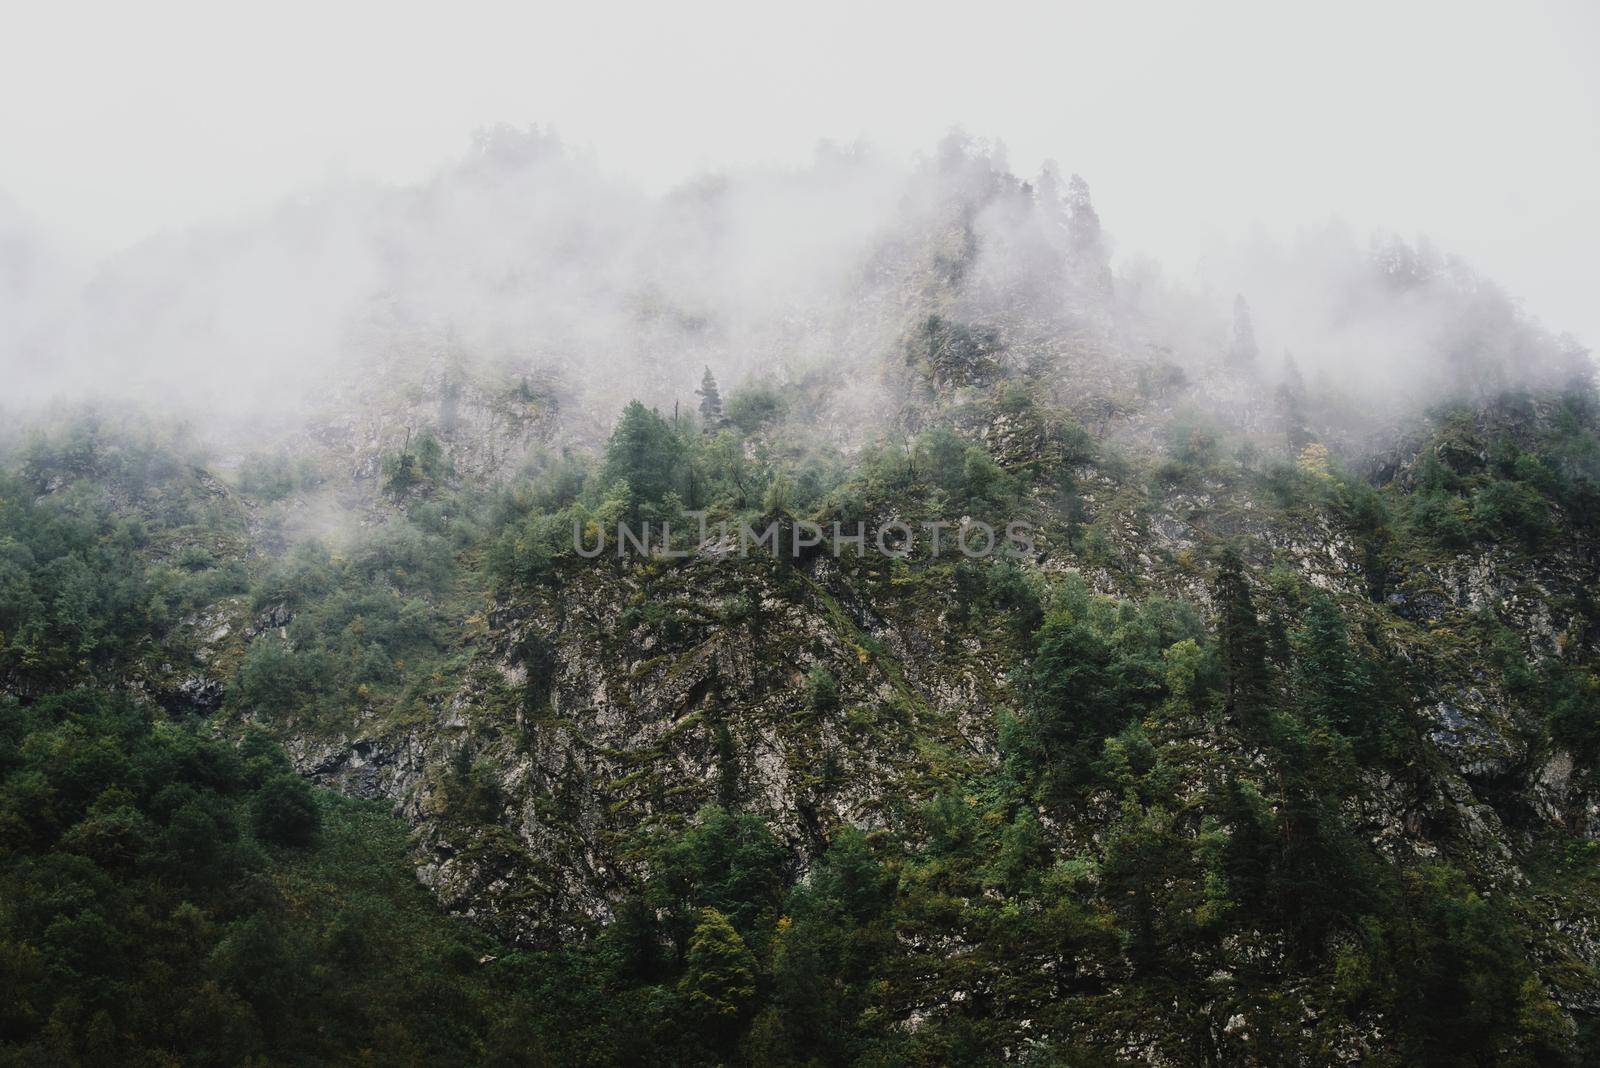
710,402
1072,697
1240,638
646,455
1086,247
1331,680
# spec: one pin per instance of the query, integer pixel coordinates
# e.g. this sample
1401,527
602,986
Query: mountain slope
1272,741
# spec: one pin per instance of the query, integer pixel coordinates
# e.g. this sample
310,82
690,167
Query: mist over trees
525,254
1275,742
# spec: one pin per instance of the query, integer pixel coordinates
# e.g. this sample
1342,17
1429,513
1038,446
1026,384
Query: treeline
734,469
108,538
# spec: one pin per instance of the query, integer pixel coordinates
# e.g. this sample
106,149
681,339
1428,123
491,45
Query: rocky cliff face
628,694
596,719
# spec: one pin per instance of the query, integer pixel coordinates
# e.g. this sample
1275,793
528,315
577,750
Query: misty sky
1477,123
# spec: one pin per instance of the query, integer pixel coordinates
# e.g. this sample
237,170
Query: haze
1475,123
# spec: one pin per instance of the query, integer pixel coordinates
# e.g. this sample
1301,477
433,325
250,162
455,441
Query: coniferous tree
721,978
710,402
1086,244
1330,676
1083,221
635,940
646,455
1240,638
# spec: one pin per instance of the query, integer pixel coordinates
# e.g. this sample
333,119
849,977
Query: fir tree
1330,677
644,454
635,940
721,978
284,811
1086,248
710,402
1239,637
1083,222
1072,697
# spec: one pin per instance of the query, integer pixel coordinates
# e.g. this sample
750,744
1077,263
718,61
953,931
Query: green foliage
528,552
644,463
1241,641
466,790
1096,665
754,407
283,812
711,417
275,476
1512,508
964,476
1572,697
142,925
836,938
1366,512
1498,475
720,980
1455,957
280,682
360,626
952,353
419,467
728,861
402,557
1013,592
85,589
1332,681
1075,700
1194,452
1135,853
822,691
1150,873
538,520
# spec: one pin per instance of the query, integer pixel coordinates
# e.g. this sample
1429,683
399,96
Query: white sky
1474,122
